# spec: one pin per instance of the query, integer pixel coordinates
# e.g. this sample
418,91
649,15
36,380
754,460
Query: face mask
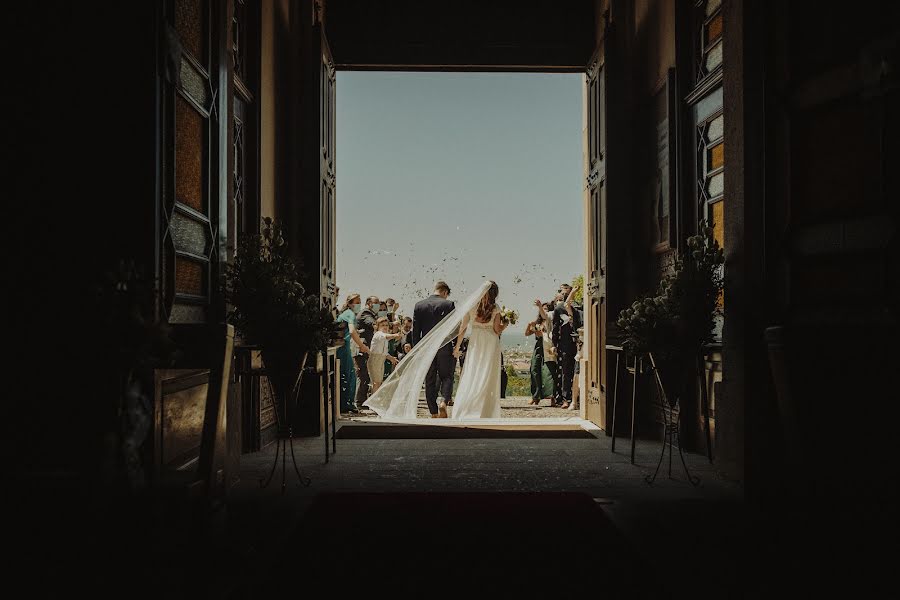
382,313
376,307
356,308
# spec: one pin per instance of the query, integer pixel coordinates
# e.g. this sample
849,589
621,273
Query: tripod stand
672,423
286,432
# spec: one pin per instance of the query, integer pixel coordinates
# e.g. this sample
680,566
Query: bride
478,394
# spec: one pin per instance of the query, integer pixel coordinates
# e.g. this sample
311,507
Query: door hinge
597,285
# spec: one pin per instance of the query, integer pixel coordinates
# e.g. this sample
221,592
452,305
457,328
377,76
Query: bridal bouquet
508,315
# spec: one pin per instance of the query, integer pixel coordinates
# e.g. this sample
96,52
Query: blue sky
459,176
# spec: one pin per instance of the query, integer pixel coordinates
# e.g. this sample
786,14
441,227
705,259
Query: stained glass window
190,235
189,155
718,214
709,37
194,84
190,22
707,106
711,159
189,276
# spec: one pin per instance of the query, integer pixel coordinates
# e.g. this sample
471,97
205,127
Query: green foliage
270,306
578,286
518,385
675,321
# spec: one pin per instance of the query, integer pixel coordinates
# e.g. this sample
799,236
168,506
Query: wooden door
595,305
327,250
317,221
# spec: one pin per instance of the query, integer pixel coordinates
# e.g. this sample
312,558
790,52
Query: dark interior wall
275,103
652,55
83,195
842,291
748,398
645,34
812,107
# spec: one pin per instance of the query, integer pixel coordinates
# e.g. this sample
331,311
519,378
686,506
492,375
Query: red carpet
464,545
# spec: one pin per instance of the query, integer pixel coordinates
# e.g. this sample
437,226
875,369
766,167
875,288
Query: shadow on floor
460,544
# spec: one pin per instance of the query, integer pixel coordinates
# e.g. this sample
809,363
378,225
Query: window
709,37
705,102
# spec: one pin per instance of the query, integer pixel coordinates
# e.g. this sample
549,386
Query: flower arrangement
508,315
674,322
270,306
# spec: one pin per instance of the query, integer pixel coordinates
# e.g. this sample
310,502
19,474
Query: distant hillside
514,339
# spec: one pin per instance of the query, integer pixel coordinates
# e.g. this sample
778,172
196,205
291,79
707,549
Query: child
378,351
392,348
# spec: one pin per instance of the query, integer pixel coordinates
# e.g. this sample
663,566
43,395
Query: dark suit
564,337
365,326
426,315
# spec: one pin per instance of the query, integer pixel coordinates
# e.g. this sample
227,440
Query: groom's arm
453,342
417,329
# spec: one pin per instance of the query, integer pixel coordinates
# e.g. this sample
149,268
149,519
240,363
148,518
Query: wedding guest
541,378
382,310
404,345
365,325
378,352
564,336
353,344
574,311
550,355
391,307
392,347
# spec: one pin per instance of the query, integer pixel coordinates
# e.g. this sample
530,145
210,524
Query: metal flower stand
285,439
672,422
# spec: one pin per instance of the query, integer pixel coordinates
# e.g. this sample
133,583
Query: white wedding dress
478,393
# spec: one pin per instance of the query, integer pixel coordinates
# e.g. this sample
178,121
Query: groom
426,315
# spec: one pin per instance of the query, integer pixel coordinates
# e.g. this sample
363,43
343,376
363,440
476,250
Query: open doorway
461,177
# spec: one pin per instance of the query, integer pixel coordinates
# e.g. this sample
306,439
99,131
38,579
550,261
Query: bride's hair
488,303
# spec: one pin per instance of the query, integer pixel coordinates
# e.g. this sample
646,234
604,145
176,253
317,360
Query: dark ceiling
483,35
